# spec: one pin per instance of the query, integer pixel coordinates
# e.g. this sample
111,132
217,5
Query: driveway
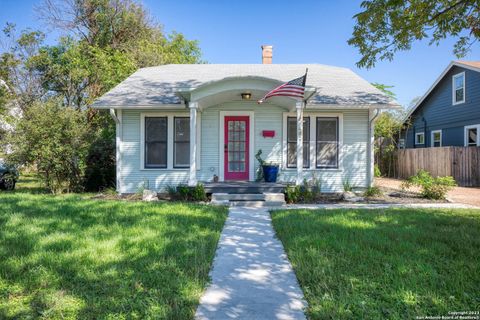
464,195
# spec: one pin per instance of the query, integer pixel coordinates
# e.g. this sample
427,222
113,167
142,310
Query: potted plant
267,171
270,172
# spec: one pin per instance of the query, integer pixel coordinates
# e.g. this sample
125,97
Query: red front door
237,132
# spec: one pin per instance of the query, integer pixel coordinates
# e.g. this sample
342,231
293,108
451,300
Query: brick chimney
267,54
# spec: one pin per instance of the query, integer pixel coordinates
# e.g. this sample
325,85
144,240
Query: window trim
432,133
304,142
417,134
465,137
313,129
170,132
155,166
338,145
455,76
175,142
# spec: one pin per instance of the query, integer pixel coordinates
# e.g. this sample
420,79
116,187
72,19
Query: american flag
294,89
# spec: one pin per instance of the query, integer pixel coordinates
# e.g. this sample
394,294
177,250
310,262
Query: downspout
371,148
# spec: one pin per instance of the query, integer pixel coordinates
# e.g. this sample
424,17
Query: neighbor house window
401,143
459,88
436,138
327,142
181,143
471,136
419,138
292,142
156,142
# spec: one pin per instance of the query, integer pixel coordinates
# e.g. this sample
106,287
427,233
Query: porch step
243,187
249,199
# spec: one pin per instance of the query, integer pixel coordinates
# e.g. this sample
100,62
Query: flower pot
270,173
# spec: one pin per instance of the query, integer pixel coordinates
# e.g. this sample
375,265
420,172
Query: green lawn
64,257
384,264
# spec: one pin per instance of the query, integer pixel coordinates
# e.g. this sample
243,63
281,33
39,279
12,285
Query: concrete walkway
251,276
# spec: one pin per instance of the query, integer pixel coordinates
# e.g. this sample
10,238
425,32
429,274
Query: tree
122,25
387,129
387,26
55,139
20,80
104,42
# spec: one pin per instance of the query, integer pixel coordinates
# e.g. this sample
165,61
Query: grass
384,264
70,257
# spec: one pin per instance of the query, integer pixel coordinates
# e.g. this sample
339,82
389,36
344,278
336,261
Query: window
420,138
327,142
181,143
471,136
436,138
292,142
156,142
401,143
458,87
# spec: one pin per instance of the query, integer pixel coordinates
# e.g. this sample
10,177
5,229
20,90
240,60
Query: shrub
186,193
376,171
302,194
172,192
347,186
183,192
55,139
373,191
431,188
292,194
197,193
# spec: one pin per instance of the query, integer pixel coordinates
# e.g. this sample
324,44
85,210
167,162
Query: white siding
353,152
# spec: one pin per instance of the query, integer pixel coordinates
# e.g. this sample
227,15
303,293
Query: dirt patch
464,195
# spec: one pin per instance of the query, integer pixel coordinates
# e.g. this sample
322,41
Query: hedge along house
181,124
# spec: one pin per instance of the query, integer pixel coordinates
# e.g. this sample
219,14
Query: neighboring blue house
449,113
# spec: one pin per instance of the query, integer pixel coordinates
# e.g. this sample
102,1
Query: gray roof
160,85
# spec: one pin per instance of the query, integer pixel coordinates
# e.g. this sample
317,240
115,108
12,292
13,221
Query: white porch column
299,107
192,179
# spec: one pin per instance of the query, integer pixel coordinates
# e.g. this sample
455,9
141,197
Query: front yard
64,257
384,264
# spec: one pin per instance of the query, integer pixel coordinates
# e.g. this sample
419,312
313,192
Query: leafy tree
20,80
387,26
387,130
104,42
55,139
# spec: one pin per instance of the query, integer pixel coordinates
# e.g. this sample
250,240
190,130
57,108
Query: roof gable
471,65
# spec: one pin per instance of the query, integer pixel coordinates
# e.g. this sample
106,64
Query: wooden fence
462,163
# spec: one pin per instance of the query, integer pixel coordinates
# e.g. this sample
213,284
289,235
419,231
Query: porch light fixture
246,96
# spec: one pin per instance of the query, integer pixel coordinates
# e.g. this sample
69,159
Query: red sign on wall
268,133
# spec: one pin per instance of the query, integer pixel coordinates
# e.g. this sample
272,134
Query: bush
347,186
55,139
186,193
183,192
100,160
372,192
376,171
292,194
302,194
197,193
431,188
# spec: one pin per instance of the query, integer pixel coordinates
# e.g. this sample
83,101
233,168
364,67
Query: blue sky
300,31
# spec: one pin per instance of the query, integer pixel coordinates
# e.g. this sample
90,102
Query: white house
186,123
